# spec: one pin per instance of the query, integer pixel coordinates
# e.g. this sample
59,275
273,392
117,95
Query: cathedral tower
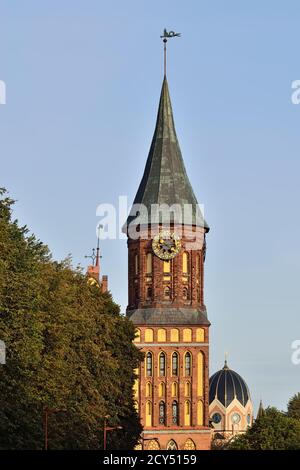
166,254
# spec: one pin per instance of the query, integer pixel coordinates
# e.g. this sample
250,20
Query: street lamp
47,412
106,429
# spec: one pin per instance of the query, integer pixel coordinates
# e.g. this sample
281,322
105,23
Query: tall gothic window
174,363
162,364
136,264
175,414
188,364
149,364
162,412
149,263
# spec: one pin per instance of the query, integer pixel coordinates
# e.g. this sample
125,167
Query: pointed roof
261,410
165,180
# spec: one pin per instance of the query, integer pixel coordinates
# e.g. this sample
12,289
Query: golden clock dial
166,245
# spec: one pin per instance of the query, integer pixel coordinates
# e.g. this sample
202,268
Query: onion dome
226,385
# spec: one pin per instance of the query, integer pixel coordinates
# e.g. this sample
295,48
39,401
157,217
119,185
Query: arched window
189,445
161,335
187,335
187,413
162,412
172,445
185,263
174,390
174,334
187,389
148,335
175,363
149,263
175,414
149,389
148,413
188,364
136,264
167,293
162,364
149,366
161,389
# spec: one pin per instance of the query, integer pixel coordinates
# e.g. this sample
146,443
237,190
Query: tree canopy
293,409
67,348
272,431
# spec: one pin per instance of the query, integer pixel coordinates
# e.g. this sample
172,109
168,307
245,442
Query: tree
67,348
272,431
294,407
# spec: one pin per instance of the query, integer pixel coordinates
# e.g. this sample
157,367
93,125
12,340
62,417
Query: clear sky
83,80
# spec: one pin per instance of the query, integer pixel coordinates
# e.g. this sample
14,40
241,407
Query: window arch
148,389
149,263
153,445
200,413
174,334
149,413
187,413
174,389
167,293
187,364
187,335
172,445
149,364
161,389
136,264
189,445
187,389
175,412
175,363
162,412
148,335
185,263
162,364
161,335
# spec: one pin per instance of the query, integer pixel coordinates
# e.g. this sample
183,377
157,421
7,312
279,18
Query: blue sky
83,81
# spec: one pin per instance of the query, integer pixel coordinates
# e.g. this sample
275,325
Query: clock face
235,418
166,245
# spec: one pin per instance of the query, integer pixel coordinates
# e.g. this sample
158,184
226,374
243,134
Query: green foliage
294,407
67,348
273,431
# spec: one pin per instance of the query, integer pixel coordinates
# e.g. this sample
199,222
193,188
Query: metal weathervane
167,35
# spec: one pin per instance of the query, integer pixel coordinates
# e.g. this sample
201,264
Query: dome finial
225,362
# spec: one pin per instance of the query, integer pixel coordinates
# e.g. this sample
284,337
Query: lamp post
107,429
47,412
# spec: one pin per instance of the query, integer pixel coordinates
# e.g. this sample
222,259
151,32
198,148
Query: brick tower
166,254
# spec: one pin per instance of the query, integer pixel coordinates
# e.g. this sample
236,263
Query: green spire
165,180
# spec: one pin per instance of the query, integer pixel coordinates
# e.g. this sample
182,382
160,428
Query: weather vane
167,35
95,256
